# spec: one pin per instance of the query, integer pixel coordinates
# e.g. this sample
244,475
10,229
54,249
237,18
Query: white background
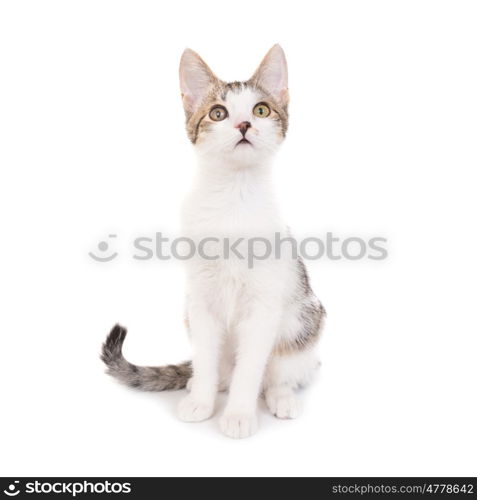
382,142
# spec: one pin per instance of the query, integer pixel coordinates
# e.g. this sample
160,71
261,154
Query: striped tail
145,378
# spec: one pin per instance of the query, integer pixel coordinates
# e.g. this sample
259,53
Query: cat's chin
240,156
246,155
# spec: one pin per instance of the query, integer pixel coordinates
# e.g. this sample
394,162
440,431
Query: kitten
253,328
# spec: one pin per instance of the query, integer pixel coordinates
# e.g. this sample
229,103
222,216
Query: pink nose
243,127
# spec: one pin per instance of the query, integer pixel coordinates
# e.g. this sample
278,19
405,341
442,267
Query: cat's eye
218,113
261,110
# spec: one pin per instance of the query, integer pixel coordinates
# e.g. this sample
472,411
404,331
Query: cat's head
242,122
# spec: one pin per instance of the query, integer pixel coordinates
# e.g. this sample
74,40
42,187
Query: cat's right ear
196,78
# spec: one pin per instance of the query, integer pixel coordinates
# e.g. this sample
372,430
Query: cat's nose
243,127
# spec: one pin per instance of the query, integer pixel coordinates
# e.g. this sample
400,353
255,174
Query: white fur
237,314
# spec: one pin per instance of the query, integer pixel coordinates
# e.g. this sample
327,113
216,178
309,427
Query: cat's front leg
226,364
255,339
206,333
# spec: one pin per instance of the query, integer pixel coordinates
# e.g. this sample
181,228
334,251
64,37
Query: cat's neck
218,176
225,198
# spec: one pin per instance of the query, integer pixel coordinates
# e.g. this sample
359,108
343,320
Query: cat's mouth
243,141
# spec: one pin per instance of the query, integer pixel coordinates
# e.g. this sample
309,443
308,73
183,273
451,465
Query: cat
253,329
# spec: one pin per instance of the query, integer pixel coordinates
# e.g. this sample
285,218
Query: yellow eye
261,110
218,113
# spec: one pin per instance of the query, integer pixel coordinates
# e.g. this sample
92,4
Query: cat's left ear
272,74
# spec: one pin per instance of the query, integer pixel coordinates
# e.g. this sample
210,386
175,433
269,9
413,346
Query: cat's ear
272,74
196,78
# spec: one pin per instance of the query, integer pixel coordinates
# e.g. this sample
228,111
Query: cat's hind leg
285,373
282,401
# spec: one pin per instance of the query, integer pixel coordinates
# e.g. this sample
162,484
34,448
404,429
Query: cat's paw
238,425
192,410
283,405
